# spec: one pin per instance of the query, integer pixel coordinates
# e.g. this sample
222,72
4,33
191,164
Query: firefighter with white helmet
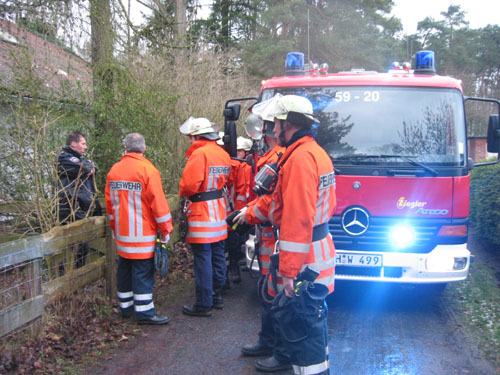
204,176
270,341
240,176
302,204
243,147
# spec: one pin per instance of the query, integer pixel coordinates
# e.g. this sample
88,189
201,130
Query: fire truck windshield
377,125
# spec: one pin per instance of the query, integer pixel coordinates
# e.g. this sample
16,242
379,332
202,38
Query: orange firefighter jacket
304,198
242,185
255,216
136,206
206,170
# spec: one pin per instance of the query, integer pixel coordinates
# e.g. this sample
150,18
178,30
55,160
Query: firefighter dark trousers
209,270
269,335
302,322
135,282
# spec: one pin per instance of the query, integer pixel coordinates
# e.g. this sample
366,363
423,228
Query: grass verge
476,302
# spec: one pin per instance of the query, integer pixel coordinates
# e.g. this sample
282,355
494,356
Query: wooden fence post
34,288
110,265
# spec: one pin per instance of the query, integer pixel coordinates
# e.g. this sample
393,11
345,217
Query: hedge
485,202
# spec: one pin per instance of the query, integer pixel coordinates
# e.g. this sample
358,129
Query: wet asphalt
373,330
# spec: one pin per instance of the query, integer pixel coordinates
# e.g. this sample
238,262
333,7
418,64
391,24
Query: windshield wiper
354,157
409,160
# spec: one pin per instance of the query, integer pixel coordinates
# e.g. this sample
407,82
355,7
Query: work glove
161,258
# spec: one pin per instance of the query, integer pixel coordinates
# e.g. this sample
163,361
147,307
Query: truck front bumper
444,264
251,261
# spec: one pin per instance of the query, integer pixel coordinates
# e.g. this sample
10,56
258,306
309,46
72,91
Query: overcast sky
479,13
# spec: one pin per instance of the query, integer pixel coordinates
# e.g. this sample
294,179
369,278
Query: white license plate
359,260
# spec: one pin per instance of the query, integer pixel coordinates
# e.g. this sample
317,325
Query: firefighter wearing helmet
302,203
238,187
204,176
270,341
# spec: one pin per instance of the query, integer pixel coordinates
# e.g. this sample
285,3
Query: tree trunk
101,55
225,23
180,18
101,34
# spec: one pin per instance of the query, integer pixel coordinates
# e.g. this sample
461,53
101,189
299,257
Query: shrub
485,202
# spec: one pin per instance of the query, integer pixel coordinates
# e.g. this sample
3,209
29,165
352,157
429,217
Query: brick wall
50,62
478,149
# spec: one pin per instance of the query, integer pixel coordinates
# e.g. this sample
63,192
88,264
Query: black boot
217,302
196,310
272,364
257,350
235,271
155,320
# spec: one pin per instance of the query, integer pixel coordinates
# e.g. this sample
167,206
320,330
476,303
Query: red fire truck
398,142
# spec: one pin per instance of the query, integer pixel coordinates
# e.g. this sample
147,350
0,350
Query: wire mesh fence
37,270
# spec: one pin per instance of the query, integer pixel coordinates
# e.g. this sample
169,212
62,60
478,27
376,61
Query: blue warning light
294,64
425,62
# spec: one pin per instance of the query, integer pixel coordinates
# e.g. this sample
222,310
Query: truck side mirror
232,111
231,114
493,134
230,138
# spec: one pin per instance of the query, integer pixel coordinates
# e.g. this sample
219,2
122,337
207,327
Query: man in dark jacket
77,189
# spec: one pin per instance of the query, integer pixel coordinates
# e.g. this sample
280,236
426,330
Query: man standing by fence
137,209
77,192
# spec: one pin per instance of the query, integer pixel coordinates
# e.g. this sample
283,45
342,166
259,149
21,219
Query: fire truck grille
375,272
376,238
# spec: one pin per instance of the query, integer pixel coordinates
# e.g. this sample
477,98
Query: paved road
373,331
378,330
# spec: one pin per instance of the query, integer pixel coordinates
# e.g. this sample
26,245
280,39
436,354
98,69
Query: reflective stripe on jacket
258,211
207,169
304,198
136,206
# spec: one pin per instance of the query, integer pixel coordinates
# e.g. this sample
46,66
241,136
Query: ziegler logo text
403,203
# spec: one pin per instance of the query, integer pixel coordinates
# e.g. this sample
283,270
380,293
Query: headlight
460,263
439,263
402,236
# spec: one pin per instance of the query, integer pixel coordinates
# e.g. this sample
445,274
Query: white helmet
243,143
199,126
295,104
279,106
268,108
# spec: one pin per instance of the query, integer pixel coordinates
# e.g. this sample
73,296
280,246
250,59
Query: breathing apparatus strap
273,270
225,191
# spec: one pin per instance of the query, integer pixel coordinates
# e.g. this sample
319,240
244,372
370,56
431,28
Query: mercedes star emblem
355,221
